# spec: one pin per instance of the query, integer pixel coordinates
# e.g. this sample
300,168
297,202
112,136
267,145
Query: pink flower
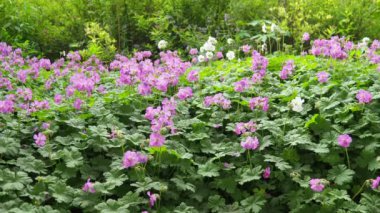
242,85
45,125
58,99
6,106
246,48
242,128
219,55
26,94
239,128
144,89
70,91
259,102
217,99
77,103
156,140
344,140
316,185
193,51
364,96
322,77
185,93
88,186
152,199
306,37
375,183
259,64
40,139
132,158
193,76
287,69
250,143
266,173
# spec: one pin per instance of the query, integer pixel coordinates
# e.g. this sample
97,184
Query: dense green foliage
49,26
202,166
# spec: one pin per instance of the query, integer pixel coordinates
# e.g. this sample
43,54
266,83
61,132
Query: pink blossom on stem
344,140
88,186
266,173
250,143
316,185
39,139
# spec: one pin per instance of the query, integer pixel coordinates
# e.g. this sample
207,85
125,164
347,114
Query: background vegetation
46,27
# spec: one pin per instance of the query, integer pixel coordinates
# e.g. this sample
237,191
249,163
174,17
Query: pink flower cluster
333,48
6,106
159,74
372,52
287,69
250,143
83,77
132,158
161,117
217,99
241,128
242,85
364,97
193,76
259,102
323,77
259,66
185,93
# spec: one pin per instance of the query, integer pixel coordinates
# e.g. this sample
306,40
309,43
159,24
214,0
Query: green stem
360,190
348,159
249,158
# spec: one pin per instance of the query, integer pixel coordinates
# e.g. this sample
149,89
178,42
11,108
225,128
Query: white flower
208,46
212,40
264,28
273,27
230,41
230,55
202,49
162,44
201,58
264,47
296,104
209,55
366,40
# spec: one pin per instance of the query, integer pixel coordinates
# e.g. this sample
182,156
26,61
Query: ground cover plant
155,133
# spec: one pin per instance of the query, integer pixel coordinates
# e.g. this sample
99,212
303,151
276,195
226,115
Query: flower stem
249,158
348,159
360,190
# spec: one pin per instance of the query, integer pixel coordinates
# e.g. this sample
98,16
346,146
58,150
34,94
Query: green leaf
13,180
280,163
62,192
253,203
248,174
340,174
182,186
72,158
208,169
216,203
